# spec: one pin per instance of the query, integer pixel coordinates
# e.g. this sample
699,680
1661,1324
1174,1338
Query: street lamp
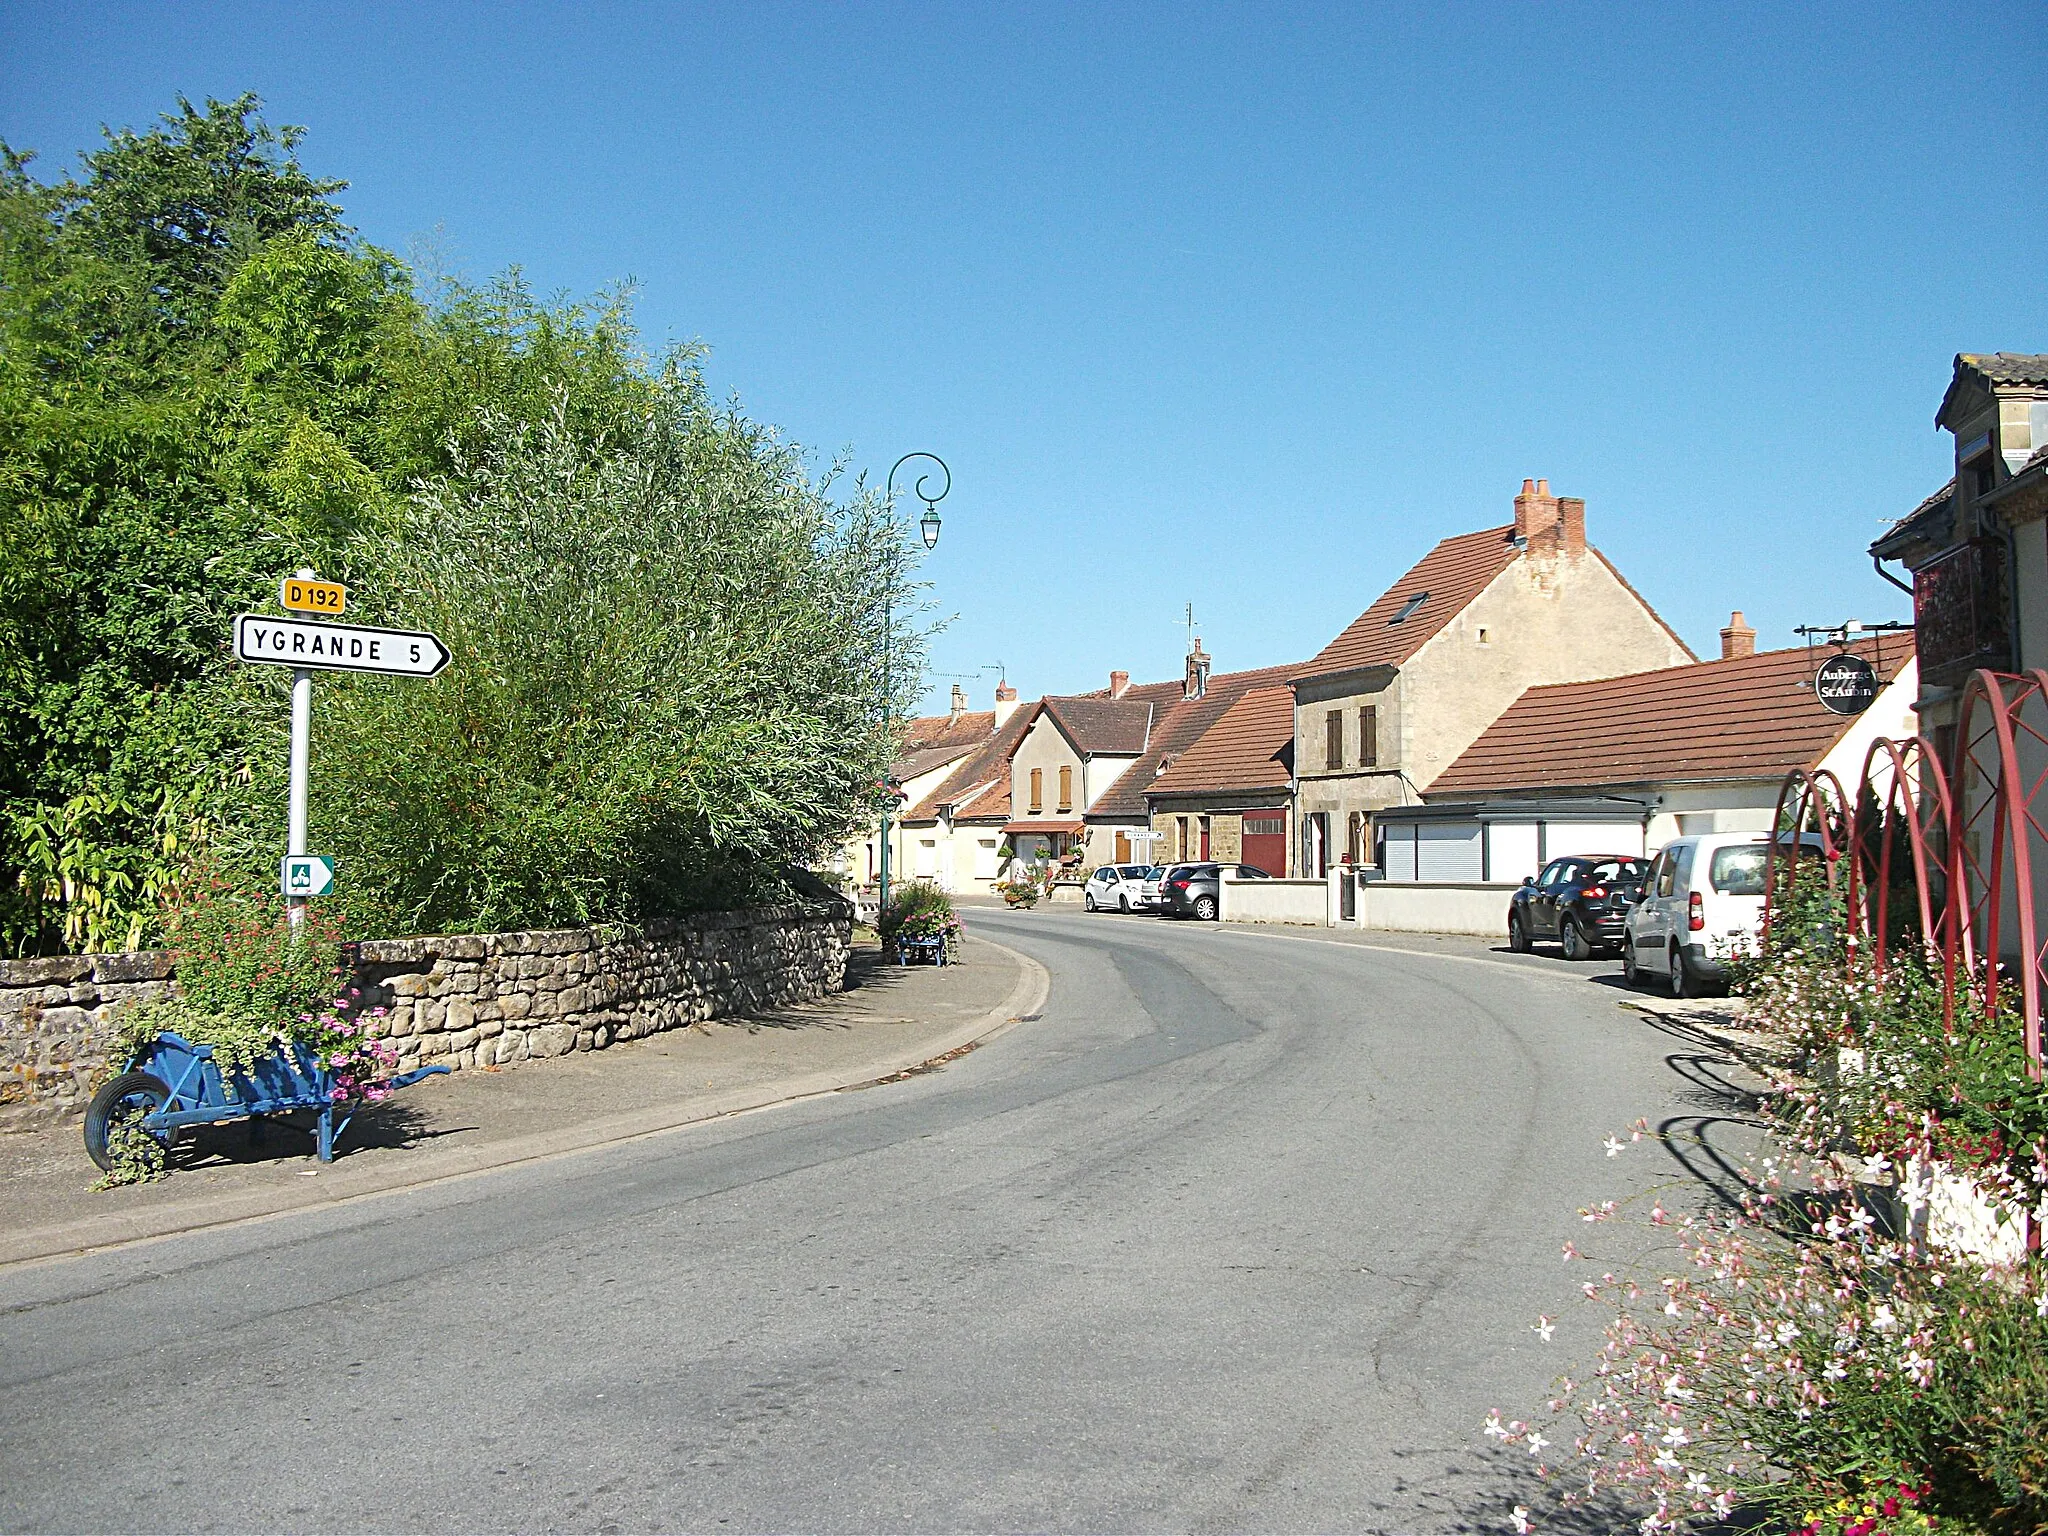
928,530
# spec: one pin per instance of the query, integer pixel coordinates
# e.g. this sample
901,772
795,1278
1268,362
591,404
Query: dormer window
1408,608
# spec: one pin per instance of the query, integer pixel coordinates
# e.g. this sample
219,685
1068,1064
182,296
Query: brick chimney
959,701
1006,704
1197,682
1535,511
1119,684
1738,639
1571,525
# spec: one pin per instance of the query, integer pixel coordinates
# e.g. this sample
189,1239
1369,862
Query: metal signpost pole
302,752
316,645
302,746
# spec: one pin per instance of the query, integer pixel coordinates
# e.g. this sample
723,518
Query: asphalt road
1247,1231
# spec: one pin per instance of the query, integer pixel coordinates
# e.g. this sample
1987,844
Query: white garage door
1512,851
1447,850
1562,837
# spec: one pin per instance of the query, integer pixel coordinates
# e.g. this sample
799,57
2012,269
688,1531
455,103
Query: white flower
1696,1482
1671,1308
1668,1461
1544,1329
1494,1428
1676,1435
1919,1367
1521,1519
1883,1319
2041,1305
1613,1147
1536,1442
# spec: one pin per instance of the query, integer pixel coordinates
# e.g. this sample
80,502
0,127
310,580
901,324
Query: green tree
206,380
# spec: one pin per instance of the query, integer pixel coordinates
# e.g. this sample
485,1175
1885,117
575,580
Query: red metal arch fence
1970,825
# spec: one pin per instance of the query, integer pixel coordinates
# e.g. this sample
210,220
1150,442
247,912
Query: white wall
1275,901
1437,907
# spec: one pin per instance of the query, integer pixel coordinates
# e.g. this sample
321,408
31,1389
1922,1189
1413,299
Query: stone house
1621,765
1977,548
1436,659
1229,795
1076,748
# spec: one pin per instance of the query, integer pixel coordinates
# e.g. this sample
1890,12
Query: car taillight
1696,917
1178,885
1595,892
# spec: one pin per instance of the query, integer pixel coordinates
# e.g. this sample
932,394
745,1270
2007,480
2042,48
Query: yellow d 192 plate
302,596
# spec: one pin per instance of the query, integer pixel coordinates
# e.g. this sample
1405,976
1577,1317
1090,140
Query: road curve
1245,1232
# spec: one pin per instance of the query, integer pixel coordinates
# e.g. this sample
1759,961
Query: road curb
99,1233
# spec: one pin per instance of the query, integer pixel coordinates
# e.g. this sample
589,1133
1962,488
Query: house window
1408,608
1066,789
1484,637
1369,736
1333,739
1037,790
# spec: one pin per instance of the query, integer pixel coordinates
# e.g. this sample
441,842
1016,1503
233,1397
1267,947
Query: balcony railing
1959,613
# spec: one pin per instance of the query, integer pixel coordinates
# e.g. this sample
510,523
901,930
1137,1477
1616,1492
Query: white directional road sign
306,874
337,647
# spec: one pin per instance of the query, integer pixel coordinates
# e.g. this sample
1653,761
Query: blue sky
1237,306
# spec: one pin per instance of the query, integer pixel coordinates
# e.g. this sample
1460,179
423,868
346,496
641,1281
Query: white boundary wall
1434,907
1392,906
1308,902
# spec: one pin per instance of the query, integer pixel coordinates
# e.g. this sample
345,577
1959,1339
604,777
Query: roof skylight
1408,608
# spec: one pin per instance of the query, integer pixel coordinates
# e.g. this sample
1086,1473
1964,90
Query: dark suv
1581,901
1191,890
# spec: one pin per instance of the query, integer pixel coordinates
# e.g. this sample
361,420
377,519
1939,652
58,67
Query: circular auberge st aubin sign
1845,684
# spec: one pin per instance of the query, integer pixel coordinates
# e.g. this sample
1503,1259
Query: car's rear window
1738,871
1610,871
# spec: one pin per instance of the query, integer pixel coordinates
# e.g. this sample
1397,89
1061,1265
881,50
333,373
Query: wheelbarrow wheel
120,1100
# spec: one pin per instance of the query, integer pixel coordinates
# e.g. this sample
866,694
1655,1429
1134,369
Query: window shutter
1333,739
1369,736
1038,789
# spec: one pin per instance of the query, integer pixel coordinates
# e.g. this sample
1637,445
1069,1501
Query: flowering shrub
920,910
1025,886
248,986
1813,1355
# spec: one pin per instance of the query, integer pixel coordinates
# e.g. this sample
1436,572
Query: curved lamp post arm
928,530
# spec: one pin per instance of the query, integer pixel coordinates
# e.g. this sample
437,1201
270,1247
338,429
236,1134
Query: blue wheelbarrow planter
171,1083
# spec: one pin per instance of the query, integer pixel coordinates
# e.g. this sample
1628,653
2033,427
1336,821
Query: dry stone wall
500,999
468,1000
54,1034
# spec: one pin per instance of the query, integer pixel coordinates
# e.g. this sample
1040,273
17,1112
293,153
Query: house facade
1621,765
946,829
1977,549
1392,701
1229,795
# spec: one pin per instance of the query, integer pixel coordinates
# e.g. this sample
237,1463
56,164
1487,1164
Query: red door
1205,839
1265,841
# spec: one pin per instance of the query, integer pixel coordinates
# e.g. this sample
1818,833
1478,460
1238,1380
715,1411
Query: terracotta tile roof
970,729
1250,747
1745,718
1453,573
1180,724
980,786
1094,723
915,765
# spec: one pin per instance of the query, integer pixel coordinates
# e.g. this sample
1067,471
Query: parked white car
1115,888
1703,897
